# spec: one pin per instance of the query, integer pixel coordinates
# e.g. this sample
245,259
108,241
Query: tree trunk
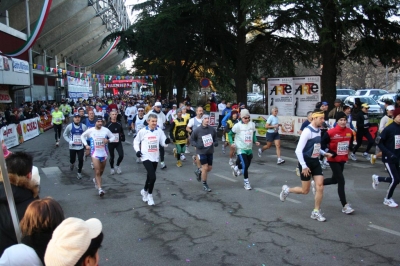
241,69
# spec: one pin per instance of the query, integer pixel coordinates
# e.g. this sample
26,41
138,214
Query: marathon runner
194,123
117,129
178,135
57,120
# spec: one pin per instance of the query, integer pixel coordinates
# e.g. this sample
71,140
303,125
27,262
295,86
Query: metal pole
28,33
45,75
10,197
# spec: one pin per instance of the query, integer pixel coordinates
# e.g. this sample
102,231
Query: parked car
340,93
389,96
370,92
374,107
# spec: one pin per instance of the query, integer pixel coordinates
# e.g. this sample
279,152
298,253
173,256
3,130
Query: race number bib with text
207,140
342,148
316,151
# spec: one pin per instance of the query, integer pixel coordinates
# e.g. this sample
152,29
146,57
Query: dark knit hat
340,115
396,112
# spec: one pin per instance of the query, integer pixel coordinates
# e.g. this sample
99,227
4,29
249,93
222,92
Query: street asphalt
230,225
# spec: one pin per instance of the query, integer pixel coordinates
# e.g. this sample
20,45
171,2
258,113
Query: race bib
248,137
99,144
207,140
153,144
76,139
58,120
116,137
397,142
342,148
316,150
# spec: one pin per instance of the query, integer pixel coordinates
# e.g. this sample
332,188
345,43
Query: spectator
75,242
40,220
14,117
25,190
336,109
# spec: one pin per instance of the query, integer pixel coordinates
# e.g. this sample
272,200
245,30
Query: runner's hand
257,143
71,142
306,171
139,154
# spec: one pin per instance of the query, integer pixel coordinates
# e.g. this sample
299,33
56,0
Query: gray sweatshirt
204,138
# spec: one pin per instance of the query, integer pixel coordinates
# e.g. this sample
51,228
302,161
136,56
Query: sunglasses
247,117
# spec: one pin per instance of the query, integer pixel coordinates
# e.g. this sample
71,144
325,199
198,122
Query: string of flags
93,77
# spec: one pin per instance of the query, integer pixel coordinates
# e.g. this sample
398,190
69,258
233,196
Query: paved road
229,226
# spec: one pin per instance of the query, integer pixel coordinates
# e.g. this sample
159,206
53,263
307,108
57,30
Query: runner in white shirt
146,145
221,107
130,113
138,124
194,123
98,149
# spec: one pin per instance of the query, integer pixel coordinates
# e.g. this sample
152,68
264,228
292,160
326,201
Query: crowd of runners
97,130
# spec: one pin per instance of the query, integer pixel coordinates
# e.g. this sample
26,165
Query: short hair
151,116
81,109
274,108
199,106
42,216
309,113
94,246
19,163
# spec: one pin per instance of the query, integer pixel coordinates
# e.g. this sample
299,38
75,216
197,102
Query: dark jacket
390,144
38,241
25,191
204,139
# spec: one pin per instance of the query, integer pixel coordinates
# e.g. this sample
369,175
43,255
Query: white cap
390,108
157,104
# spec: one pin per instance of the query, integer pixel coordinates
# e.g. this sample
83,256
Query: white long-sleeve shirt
148,141
97,146
130,112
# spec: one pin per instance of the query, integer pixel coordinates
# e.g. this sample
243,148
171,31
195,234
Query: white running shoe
367,156
280,161
187,149
112,171
375,181
284,193
79,175
91,165
259,152
163,166
313,189
144,195
353,157
373,159
101,192
347,209
234,171
150,199
297,171
231,161
57,143
247,186
390,203
95,184
119,170
317,215
183,157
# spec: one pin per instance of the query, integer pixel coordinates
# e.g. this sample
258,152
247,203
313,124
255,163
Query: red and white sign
10,136
5,97
30,128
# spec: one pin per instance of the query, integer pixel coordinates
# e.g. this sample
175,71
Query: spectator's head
75,242
347,109
20,163
324,106
234,114
41,216
390,110
338,103
228,104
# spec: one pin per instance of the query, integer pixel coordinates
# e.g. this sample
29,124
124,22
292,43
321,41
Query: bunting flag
36,32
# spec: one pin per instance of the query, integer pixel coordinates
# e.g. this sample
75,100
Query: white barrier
10,136
30,128
15,134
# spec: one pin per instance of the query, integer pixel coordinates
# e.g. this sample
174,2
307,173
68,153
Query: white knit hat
70,241
244,112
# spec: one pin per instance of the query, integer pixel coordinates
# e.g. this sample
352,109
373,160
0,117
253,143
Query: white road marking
52,171
385,229
227,178
276,195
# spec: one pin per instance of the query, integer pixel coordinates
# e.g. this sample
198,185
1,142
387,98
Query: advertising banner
5,96
290,124
30,128
10,136
280,94
214,118
4,63
20,66
307,92
45,123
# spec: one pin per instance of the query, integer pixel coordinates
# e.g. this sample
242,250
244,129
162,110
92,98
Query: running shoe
206,188
187,149
375,181
79,175
174,151
280,161
57,143
353,157
144,195
367,156
163,166
297,171
91,165
390,203
313,189
317,215
231,161
119,170
347,209
198,174
373,159
112,171
95,184
223,149
247,186
234,171
129,133
259,152
183,158
179,164
71,167
284,193
101,192
138,160
150,200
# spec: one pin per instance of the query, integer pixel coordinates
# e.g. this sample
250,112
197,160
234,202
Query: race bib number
116,137
76,139
153,144
248,137
207,140
316,151
397,142
342,148
58,120
99,144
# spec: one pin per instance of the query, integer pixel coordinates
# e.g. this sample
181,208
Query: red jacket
338,140
213,107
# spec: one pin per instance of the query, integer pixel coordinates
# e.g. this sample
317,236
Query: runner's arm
305,135
136,141
110,136
66,133
84,136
